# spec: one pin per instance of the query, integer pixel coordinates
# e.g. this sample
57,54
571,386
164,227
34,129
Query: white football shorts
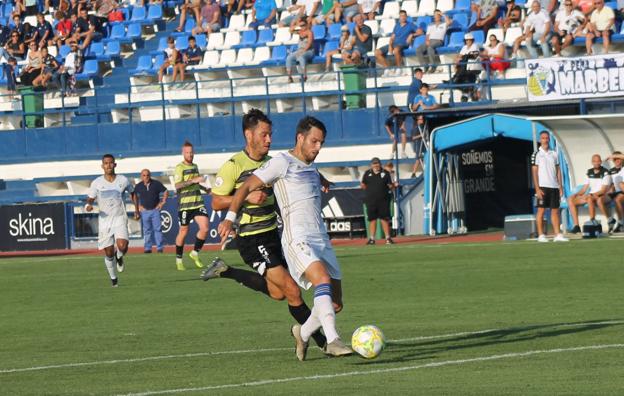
303,252
111,228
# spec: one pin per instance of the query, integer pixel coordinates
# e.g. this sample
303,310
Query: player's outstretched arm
89,204
252,183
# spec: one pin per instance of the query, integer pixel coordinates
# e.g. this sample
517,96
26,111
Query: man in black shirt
88,28
150,203
363,42
377,186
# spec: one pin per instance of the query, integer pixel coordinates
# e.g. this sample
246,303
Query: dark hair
544,132
187,144
403,12
392,108
108,156
418,69
617,152
424,85
170,40
252,118
191,38
307,123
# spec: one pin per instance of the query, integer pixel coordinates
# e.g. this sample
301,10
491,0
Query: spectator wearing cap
436,32
377,185
401,38
600,26
467,68
487,14
263,13
345,46
395,119
152,197
537,30
363,36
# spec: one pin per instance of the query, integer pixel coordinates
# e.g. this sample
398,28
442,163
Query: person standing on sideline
548,187
377,185
189,184
108,190
150,203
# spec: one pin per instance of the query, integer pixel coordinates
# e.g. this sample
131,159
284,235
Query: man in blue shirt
402,36
43,32
424,101
150,204
263,14
414,89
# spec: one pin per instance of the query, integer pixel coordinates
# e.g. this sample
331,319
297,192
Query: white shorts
301,253
111,228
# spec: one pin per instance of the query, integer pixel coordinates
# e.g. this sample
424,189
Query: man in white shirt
600,25
108,191
537,30
436,32
597,183
569,23
548,187
369,8
310,256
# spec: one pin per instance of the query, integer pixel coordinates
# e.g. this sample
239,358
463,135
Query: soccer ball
368,341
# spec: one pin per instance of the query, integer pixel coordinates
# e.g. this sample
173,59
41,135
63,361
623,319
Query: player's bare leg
180,238
109,261
122,248
203,224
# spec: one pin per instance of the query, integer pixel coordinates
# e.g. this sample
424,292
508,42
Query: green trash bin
32,102
354,80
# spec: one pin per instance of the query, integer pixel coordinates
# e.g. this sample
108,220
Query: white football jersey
297,187
109,195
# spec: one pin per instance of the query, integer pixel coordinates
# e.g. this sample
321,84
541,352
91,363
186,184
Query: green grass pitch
493,318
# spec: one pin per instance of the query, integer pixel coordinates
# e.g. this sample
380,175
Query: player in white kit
108,191
309,253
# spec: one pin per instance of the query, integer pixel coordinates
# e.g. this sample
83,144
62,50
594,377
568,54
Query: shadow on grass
405,351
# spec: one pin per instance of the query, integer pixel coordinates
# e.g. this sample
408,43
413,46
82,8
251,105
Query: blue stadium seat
158,61
134,31
181,42
278,56
90,70
144,65
479,37
319,33
118,33
455,42
63,51
460,22
423,21
328,47
155,12
248,39
95,50
113,49
334,31
264,36
461,6
126,12
138,14
8,9
189,25
162,44
201,41
418,41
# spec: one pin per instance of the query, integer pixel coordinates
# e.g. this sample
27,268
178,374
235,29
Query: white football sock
327,316
110,267
119,254
310,326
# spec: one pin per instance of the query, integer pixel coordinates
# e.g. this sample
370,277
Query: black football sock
199,244
249,279
179,251
301,314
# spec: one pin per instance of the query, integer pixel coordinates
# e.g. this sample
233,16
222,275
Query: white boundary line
244,351
379,371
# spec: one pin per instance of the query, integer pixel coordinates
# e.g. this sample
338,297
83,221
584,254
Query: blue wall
216,134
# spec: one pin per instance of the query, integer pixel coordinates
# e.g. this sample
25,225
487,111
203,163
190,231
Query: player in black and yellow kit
189,185
258,239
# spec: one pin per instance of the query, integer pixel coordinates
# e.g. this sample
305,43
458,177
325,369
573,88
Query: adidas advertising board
32,227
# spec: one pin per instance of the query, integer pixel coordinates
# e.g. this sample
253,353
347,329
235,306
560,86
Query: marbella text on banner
574,78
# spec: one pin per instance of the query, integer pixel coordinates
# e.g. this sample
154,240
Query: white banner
574,78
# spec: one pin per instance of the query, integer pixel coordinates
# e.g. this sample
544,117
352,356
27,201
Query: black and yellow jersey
188,197
255,219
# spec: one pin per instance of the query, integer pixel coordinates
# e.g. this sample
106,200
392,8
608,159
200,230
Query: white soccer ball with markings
368,341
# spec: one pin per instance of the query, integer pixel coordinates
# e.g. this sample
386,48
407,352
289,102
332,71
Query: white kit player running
311,259
108,191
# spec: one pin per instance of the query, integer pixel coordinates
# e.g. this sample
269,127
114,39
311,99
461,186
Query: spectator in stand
29,34
569,23
63,29
467,68
210,18
19,8
66,75
586,6
193,6
436,32
149,193
304,10
48,69
414,88
116,15
424,101
44,33
377,185
600,25
513,16
369,8
18,26
263,13
394,117
33,68
537,30
15,47
495,54
487,15
5,35
32,8
304,52
363,42
401,38
616,193
597,184
172,58
346,45
103,8
244,5
327,13
9,73
191,57
86,29
346,9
